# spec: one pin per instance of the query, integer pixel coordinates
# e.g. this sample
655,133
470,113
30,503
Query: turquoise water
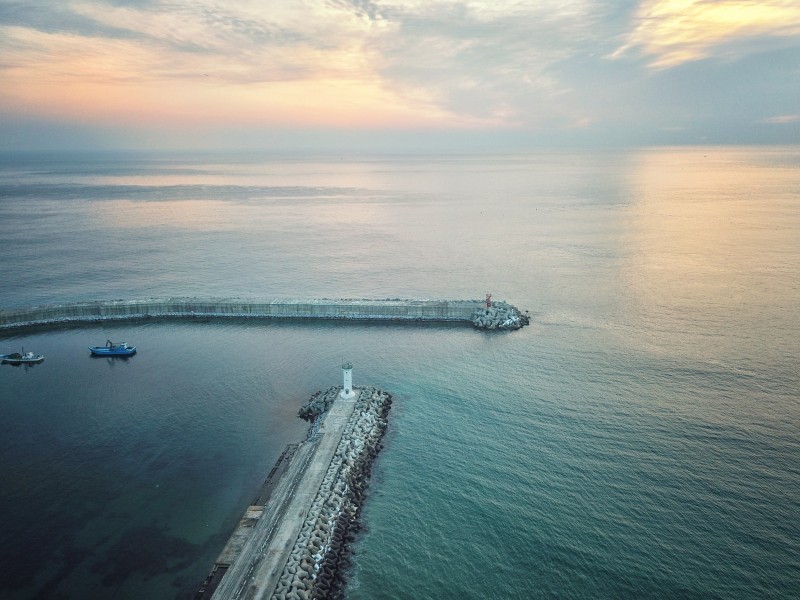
640,439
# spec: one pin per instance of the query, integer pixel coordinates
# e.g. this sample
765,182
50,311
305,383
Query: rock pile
314,569
500,315
319,403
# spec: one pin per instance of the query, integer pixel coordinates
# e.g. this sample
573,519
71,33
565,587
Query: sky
397,74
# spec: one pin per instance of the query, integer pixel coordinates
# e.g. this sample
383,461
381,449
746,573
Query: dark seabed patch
147,551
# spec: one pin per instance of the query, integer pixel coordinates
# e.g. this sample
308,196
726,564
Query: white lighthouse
347,392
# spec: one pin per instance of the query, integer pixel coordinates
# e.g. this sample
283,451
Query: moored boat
21,358
112,349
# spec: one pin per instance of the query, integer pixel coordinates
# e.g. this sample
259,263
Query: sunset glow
547,70
677,31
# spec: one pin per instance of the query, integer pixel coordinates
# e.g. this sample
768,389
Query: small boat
21,358
112,349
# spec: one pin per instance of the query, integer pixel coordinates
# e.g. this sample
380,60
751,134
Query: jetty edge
295,541
482,314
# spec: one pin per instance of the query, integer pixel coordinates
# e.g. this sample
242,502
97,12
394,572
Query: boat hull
104,351
7,360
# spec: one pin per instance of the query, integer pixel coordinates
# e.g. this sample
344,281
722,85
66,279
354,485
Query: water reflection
710,236
253,215
199,215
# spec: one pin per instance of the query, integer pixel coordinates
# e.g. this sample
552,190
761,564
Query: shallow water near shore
638,439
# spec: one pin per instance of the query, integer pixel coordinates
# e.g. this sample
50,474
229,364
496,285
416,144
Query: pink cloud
781,120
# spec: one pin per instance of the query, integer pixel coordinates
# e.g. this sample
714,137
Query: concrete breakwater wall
321,551
500,316
296,542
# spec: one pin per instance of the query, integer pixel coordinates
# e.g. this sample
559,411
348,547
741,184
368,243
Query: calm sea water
641,439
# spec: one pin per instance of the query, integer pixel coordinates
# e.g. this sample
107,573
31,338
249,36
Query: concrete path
255,572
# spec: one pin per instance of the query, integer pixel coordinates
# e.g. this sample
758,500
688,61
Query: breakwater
296,545
499,316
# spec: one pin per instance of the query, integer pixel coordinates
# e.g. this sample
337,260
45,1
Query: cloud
781,120
488,62
193,60
246,41
541,68
672,32
456,63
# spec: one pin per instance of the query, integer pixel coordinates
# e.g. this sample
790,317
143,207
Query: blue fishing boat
112,349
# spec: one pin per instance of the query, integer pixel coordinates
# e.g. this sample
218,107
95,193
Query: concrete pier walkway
259,560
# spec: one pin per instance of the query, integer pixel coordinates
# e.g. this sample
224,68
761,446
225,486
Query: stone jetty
498,315
296,545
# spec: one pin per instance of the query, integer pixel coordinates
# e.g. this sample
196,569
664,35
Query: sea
639,439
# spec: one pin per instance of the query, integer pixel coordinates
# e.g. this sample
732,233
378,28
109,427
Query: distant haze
397,75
